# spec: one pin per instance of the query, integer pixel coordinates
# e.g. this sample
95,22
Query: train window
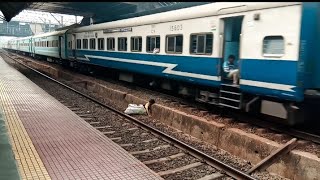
136,44
201,43
92,43
174,44
56,43
85,43
101,43
78,43
47,44
273,46
122,44
152,43
110,44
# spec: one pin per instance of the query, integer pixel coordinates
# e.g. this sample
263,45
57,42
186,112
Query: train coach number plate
176,27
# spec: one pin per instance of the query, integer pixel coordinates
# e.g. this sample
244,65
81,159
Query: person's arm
226,67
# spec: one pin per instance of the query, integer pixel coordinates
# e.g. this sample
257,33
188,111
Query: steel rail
229,170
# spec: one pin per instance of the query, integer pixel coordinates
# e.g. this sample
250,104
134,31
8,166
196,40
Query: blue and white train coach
275,45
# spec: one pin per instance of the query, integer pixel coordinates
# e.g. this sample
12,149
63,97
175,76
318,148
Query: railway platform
49,141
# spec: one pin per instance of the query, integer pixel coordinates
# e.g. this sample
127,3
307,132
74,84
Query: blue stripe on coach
272,71
201,65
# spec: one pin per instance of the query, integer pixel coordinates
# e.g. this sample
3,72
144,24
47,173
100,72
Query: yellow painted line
29,163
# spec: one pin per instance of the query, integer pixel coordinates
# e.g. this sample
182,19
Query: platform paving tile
68,146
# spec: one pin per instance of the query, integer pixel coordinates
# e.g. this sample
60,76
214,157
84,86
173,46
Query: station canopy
98,11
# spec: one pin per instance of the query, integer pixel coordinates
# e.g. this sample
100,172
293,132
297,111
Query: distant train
275,45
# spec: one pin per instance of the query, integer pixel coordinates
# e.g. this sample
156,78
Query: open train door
73,46
59,46
232,27
230,94
32,47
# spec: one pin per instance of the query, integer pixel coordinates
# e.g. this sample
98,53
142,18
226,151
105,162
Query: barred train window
110,44
201,43
136,44
122,44
78,43
56,43
101,43
92,43
85,43
174,44
273,45
152,43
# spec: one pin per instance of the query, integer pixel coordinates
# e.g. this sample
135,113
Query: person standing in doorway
230,67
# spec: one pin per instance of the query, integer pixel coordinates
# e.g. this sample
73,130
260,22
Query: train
183,50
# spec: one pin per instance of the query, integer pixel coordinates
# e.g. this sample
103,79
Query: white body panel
275,19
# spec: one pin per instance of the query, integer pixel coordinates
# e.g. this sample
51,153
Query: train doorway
231,44
59,46
73,46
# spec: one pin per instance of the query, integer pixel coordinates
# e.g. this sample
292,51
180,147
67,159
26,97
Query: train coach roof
186,13
51,33
20,38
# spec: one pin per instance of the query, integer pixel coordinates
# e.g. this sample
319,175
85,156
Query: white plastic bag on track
135,109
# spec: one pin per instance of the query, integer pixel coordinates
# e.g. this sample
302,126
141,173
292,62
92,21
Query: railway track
166,155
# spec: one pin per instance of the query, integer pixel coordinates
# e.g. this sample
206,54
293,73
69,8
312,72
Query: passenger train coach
275,45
